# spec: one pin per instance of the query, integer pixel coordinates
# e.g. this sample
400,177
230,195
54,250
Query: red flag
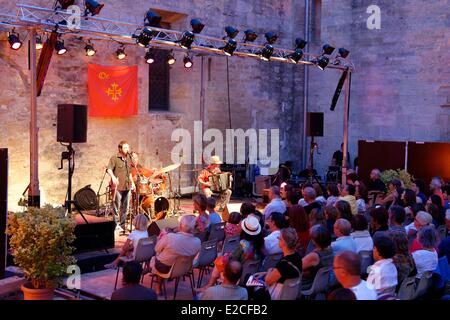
113,91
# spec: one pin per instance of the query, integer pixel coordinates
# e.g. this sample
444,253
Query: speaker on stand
3,208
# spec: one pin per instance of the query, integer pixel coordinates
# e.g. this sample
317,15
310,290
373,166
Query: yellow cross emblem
103,75
114,91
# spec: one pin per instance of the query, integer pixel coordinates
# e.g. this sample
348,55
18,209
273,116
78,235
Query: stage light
266,52
230,47
300,43
14,41
149,56
327,49
197,26
92,7
60,48
296,56
250,35
89,48
39,44
152,19
120,53
171,58
322,62
187,39
143,39
271,37
187,62
64,4
343,53
232,32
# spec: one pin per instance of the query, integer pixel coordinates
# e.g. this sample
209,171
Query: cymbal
166,169
156,180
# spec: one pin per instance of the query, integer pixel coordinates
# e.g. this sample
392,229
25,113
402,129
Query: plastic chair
202,236
291,289
230,244
424,284
145,250
366,260
271,261
217,232
182,267
207,255
407,289
320,283
249,267
442,230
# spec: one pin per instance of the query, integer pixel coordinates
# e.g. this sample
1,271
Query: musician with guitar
213,180
122,183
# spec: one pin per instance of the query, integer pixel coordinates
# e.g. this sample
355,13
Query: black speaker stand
312,177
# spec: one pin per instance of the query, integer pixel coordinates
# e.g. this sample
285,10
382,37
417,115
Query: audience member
402,259
418,186
342,230
375,181
342,294
309,196
299,220
423,219
246,209
202,222
380,220
319,194
317,216
233,225
397,217
444,246
214,217
426,258
361,234
276,203
361,197
344,210
331,214
132,289
348,194
436,188
333,194
276,222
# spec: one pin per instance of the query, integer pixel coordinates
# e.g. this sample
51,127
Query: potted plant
400,174
40,244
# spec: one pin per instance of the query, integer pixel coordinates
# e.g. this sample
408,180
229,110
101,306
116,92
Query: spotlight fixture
60,48
187,62
197,26
149,56
266,52
300,43
250,35
14,41
322,62
92,7
39,44
143,39
343,53
327,49
152,19
296,56
171,58
120,53
187,39
89,48
64,4
232,32
229,47
271,37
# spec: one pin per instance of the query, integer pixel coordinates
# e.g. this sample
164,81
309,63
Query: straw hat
215,160
251,225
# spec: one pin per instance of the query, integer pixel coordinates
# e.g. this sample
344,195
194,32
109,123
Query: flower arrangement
40,243
400,174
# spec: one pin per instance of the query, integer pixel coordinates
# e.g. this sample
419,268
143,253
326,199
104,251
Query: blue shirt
214,218
276,205
344,243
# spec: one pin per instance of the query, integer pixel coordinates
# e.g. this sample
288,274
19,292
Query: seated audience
233,225
309,197
348,194
403,260
229,289
321,256
426,258
418,186
344,210
276,203
341,294
383,274
298,219
409,222
361,197
361,234
395,191
214,217
375,181
319,194
317,216
132,289
276,222
347,268
342,230
423,219
331,214
130,246
380,220
444,246
292,198
436,189
246,209
437,201
397,217
202,222
333,194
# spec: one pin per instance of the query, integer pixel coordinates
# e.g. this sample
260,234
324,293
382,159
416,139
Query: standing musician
203,179
121,182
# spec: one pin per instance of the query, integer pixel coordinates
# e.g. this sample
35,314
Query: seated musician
212,169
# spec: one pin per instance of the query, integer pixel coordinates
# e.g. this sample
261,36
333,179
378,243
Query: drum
144,185
159,205
220,182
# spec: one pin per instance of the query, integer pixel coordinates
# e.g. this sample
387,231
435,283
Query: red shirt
438,193
204,175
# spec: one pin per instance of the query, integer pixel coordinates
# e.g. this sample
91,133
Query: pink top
232,229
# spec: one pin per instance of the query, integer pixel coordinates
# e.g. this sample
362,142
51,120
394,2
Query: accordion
220,182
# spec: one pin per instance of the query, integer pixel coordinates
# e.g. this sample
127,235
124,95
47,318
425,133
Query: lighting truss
121,31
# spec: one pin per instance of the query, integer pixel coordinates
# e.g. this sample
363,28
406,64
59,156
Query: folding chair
366,260
230,244
145,250
407,289
249,267
291,289
424,284
271,261
321,283
217,232
182,267
207,255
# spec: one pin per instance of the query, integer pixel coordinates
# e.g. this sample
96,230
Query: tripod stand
312,176
70,157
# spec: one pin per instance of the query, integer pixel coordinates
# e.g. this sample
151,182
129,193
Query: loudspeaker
155,227
314,124
72,123
231,207
3,208
98,234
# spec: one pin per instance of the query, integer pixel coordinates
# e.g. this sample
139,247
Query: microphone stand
98,193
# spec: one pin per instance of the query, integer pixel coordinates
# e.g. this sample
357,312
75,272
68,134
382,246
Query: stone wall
263,95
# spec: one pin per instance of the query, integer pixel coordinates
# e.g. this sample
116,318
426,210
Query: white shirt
410,226
271,243
321,200
425,260
332,200
361,205
382,275
363,240
135,236
363,292
302,202
276,205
